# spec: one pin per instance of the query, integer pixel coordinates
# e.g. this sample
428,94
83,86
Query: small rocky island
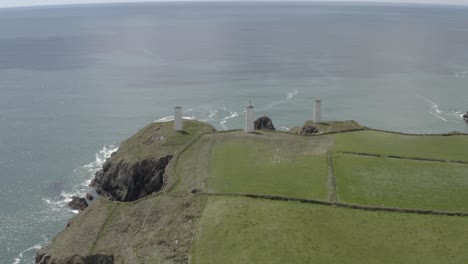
465,117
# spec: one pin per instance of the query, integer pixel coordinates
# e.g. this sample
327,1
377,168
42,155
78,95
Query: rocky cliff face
125,181
264,122
92,259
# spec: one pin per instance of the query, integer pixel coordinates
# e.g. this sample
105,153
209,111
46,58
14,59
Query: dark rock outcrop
89,196
42,258
78,203
264,122
308,129
122,181
465,117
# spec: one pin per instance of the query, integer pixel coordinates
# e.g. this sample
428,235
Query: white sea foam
231,115
36,247
56,208
462,74
292,94
289,96
446,116
86,173
210,116
164,119
171,118
434,109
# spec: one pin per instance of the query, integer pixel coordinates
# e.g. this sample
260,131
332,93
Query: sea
77,80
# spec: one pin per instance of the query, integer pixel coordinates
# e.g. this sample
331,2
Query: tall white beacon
178,118
249,119
317,111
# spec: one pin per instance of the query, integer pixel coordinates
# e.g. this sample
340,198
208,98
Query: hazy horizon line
111,2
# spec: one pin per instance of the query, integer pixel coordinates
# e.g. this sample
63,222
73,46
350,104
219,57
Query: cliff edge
138,222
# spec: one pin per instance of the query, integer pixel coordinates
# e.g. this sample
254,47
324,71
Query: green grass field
264,164
245,230
401,183
193,220
159,139
435,147
192,166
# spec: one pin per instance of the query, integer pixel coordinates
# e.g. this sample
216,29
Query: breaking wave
231,115
25,254
462,75
289,96
85,174
446,116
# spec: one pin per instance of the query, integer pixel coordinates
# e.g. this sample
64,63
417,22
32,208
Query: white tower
249,119
178,119
317,114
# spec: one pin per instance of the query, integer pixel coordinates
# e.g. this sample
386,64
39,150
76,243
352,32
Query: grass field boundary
338,132
176,158
332,197
401,157
451,134
343,205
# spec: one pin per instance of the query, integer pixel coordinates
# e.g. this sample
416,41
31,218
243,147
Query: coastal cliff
200,196
134,220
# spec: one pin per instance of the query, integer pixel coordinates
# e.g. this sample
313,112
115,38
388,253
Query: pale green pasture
246,230
272,164
434,147
401,183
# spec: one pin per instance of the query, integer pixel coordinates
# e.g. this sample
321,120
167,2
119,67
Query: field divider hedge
401,157
343,205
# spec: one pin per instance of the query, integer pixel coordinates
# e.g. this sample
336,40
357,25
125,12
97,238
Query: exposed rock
264,122
122,181
311,128
89,196
308,129
195,190
78,203
465,117
42,258
453,133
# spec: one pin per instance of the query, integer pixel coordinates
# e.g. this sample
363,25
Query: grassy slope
243,230
144,231
159,139
275,164
192,166
401,183
436,147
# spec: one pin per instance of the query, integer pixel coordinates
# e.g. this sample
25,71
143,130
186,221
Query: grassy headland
207,212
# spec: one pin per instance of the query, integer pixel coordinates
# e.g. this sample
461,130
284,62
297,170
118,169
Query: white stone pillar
178,119
317,111
250,119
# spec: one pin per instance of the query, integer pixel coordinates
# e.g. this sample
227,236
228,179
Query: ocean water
75,81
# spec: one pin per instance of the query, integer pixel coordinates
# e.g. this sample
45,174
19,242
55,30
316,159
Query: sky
16,3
